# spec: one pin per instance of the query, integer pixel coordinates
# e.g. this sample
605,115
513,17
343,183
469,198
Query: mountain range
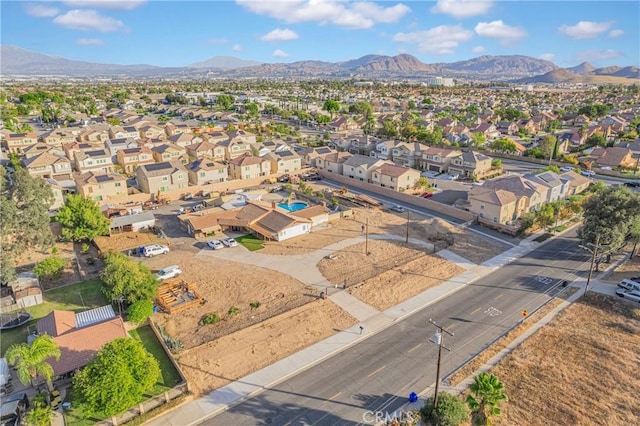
524,69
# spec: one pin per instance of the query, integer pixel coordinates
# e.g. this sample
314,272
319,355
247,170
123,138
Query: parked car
152,250
630,285
634,184
398,209
310,177
284,178
426,194
277,188
229,242
169,272
633,295
13,409
215,244
187,196
566,169
588,173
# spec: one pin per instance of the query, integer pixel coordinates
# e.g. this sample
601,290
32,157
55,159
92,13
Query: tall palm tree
487,391
30,361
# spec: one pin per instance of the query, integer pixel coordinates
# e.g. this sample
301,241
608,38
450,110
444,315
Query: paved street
378,373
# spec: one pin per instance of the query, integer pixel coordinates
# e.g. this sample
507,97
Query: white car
169,272
588,173
229,242
398,209
566,169
152,250
215,244
633,295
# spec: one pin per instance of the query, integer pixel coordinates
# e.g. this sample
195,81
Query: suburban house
162,177
101,186
470,164
398,178
438,159
557,187
507,127
184,139
530,195
311,155
48,165
497,205
15,143
576,183
115,145
80,336
242,137
169,152
130,158
361,167
487,129
363,145
384,150
150,131
118,132
59,137
341,124
407,154
249,167
71,148
205,149
93,136
613,157
283,161
234,149
177,129
205,171
334,162
95,160
37,149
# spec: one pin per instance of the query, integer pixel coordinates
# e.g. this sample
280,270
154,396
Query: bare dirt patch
225,285
229,358
127,240
630,268
581,369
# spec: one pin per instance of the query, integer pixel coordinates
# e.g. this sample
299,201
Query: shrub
51,267
254,305
140,311
209,319
54,250
85,248
451,411
233,311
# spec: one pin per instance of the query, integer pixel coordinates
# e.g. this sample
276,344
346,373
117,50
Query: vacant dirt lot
582,369
391,273
229,358
629,268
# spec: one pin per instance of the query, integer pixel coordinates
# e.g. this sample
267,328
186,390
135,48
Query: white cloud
478,49
356,15
217,41
499,30
548,57
106,4
462,8
236,48
88,20
585,29
597,55
280,54
280,35
442,39
90,42
40,10
616,33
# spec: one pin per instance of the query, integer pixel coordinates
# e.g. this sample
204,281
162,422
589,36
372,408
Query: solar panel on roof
157,166
103,178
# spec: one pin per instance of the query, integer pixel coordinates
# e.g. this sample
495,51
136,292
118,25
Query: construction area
176,295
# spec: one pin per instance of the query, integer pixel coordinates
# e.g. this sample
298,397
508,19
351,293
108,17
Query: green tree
596,140
30,361
487,392
225,101
51,267
123,277
118,377
503,145
140,311
510,114
478,139
40,412
549,145
545,216
422,182
361,107
451,411
114,121
82,219
388,129
332,106
496,162
554,169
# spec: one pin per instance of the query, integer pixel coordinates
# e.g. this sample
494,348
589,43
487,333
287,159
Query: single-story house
132,222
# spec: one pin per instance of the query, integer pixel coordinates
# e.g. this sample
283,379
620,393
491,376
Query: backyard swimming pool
293,207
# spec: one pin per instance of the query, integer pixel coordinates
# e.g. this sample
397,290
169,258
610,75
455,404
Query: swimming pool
293,207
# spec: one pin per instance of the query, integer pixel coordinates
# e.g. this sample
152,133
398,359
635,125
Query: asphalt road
379,373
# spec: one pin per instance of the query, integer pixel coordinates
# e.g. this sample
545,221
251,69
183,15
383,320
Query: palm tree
30,361
487,391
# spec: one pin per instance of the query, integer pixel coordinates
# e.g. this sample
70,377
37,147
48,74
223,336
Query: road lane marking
334,396
499,296
414,348
475,311
378,370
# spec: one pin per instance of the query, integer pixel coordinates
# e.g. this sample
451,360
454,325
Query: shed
132,222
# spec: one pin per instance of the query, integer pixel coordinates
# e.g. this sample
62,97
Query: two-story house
242,136
115,145
234,149
493,204
170,152
408,154
71,148
384,150
49,165
59,137
162,177
556,186
470,164
333,162
398,178
172,129
249,167
311,155
98,160
101,186
361,167
15,143
284,161
205,171
613,157
205,149
119,132
438,159
151,131
184,139
130,158
530,195
576,183
37,149
363,145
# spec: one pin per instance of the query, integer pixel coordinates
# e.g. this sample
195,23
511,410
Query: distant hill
402,62
629,72
582,69
559,75
606,70
618,75
501,65
224,62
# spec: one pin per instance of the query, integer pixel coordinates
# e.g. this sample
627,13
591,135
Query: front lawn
251,242
169,376
77,297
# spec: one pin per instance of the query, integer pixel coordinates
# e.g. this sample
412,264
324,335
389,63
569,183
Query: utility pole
593,260
407,237
438,340
366,238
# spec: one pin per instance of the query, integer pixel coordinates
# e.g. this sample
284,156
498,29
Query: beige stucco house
249,167
101,186
162,177
398,178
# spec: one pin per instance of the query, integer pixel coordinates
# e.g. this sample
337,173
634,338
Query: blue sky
177,33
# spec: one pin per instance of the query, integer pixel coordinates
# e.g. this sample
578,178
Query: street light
438,340
594,253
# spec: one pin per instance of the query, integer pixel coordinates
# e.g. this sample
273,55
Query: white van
169,272
152,250
629,285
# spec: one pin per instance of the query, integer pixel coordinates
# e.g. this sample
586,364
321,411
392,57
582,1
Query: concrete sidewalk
371,321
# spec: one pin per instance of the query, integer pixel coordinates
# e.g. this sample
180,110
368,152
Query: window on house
482,206
180,177
202,174
165,178
118,184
